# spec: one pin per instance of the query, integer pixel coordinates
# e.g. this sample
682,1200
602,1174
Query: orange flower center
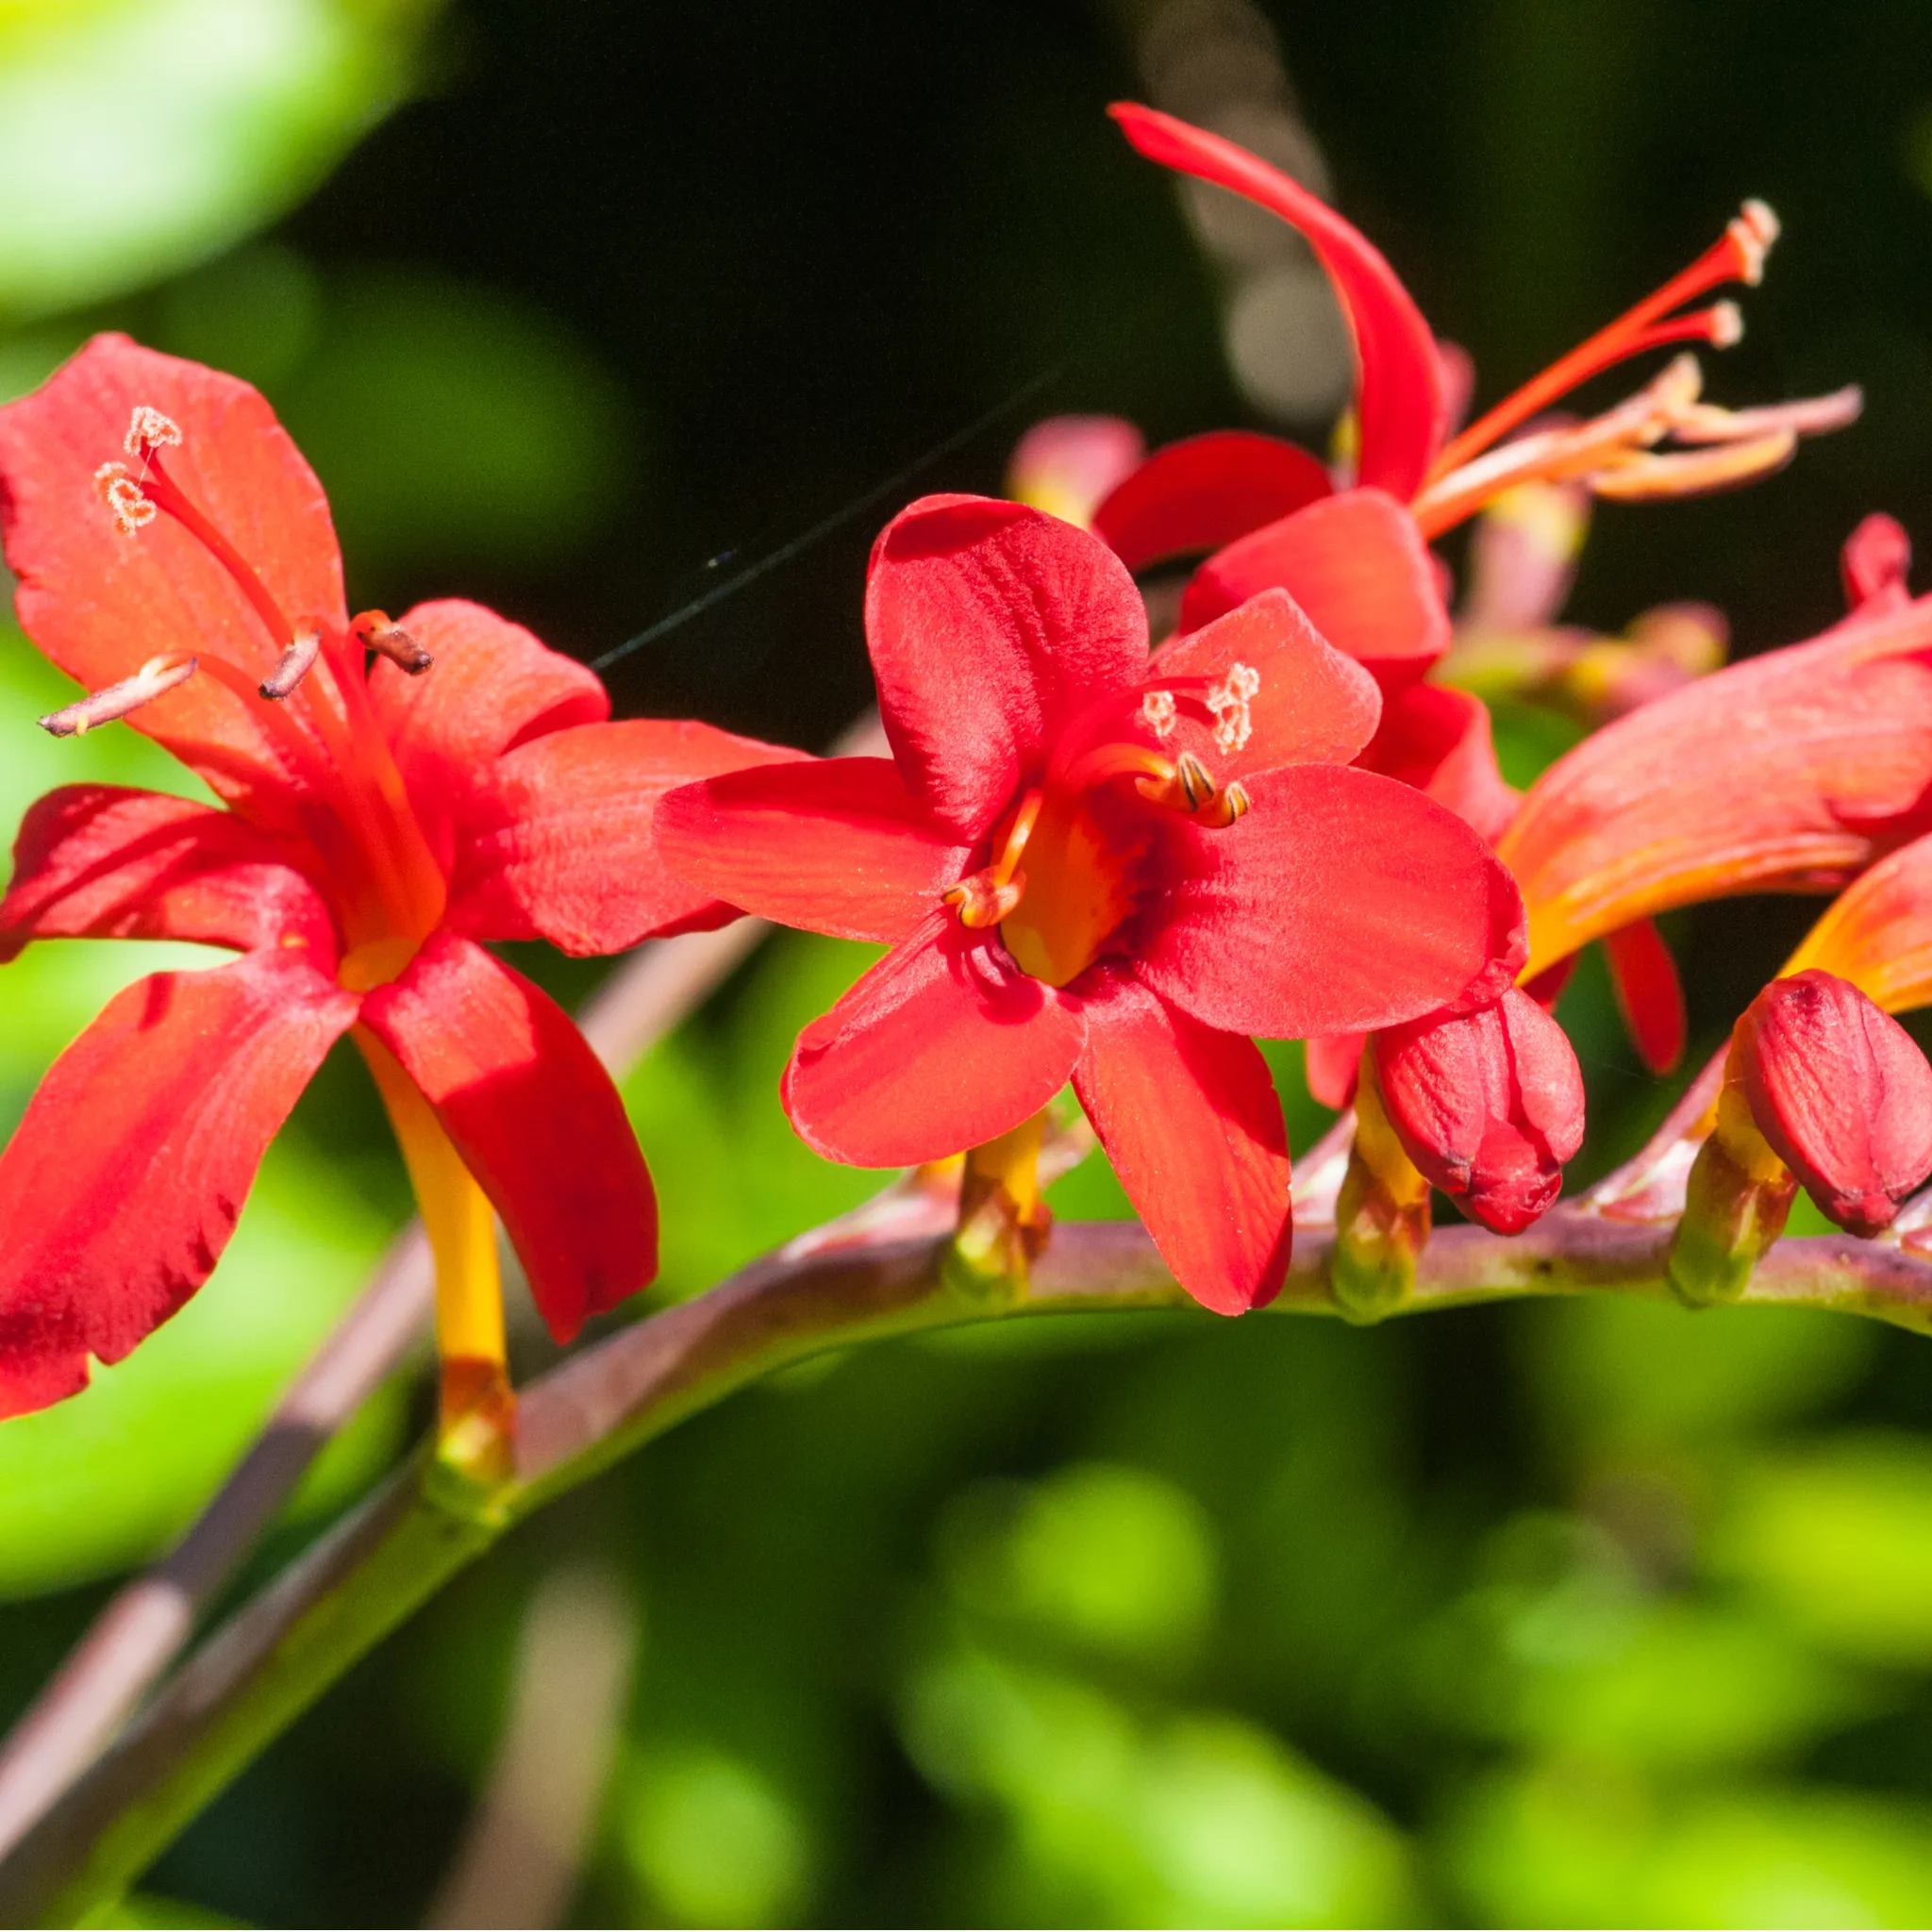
1070,858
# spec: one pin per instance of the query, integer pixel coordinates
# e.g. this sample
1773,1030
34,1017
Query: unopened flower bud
1841,1094
1820,1087
1068,464
1489,1106
1381,1214
1874,563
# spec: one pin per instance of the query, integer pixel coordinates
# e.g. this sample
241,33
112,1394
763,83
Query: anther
390,641
1226,807
1752,233
293,665
150,430
123,496
1196,783
1228,701
154,678
1694,473
1158,710
983,900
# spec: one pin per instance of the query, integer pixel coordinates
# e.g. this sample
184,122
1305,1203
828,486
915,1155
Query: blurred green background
1564,1614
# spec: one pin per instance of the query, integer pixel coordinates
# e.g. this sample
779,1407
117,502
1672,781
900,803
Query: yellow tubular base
476,1410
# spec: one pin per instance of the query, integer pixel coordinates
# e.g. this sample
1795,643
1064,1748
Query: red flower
1839,1091
174,553
1357,559
1095,866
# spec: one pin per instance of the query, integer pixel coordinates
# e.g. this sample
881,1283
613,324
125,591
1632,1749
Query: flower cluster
1096,857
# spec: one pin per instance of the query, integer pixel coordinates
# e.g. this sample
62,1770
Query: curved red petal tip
1204,491
1356,564
1400,406
1488,1105
1331,1062
1650,996
1189,1119
992,627
124,1180
942,1046
102,596
1875,561
535,1118
1440,740
1068,465
1841,1091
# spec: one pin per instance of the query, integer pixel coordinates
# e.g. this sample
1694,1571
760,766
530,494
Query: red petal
1649,994
834,845
942,1046
493,685
1202,493
534,1115
1439,740
1189,1119
1788,772
1875,563
1841,1094
100,861
100,604
557,839
1313,706
1399,401
1877,933
1341,903
990,627
1489,1106
123,1183
1356,564
1331,1062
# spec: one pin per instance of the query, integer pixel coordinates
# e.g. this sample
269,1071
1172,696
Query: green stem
281,1651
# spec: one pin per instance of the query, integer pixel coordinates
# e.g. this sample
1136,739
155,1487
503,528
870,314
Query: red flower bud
1841,1094
1489,1106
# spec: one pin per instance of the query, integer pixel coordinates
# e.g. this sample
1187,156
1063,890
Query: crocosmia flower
1094,864
394,796
1354,556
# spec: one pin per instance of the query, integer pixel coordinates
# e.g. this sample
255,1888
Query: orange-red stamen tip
155,679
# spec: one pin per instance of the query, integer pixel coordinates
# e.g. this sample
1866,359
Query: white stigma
1230,701
148,430
123,496
1157,712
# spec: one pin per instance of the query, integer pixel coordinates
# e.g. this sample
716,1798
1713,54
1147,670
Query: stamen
1228,701
1694,473
123,496
155,679
1604,453
150,430
1226,807
1808,416
293,665
1158,710
983,901
390,641
1722,325
1738,256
